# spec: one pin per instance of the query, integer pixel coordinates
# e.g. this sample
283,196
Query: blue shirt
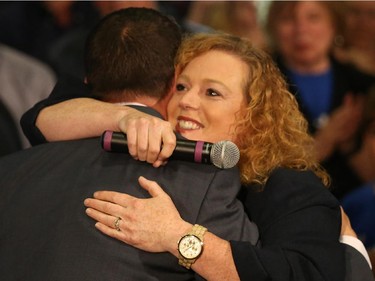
315,92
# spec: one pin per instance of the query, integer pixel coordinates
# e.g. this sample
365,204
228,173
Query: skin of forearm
216,262
79,118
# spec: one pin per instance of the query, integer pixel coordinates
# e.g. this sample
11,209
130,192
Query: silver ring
117,224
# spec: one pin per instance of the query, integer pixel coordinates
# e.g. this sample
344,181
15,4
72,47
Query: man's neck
145,101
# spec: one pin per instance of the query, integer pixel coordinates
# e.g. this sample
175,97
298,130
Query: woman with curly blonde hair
227,89
270,131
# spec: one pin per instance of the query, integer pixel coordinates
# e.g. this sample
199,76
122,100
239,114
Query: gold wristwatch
190,246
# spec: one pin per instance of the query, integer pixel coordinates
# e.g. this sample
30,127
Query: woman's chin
192,135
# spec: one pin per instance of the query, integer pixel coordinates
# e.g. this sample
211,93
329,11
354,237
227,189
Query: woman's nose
190,99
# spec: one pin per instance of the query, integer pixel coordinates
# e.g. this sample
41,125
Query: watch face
190,246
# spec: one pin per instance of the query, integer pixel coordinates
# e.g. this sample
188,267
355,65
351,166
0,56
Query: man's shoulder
51,152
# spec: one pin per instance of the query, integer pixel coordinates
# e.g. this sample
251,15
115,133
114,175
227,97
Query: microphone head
224,154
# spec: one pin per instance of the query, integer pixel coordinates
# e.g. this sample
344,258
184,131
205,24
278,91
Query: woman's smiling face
209,94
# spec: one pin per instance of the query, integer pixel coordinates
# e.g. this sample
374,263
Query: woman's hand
149,138
151,224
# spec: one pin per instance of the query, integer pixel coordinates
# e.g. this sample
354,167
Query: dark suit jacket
46,235
299,222
357,269
10,140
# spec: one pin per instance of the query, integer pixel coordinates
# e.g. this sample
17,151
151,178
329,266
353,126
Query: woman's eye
180,87
213,93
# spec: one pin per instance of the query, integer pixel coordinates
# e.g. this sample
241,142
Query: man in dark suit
44,231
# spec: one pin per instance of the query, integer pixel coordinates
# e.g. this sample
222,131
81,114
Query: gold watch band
198,231
185,263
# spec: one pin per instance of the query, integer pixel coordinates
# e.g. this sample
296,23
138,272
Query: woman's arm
149,138
65,89
155,225
299,226
79,118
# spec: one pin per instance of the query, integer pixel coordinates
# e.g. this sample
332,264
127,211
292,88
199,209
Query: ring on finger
117,224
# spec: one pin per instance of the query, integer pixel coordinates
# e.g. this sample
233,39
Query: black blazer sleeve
65,89
299,225
357,267
10,140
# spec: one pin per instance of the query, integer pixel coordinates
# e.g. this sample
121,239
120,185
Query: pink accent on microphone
107,140
198,152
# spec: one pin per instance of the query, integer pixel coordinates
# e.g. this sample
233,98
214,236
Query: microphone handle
191,151
113,141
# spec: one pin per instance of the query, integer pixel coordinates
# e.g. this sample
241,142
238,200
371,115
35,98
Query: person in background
24,81
67,53
32,27
329,93
358,44
181,11
235,17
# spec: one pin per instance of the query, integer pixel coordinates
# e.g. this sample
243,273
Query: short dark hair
131,52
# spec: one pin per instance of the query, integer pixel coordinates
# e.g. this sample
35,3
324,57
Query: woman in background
329,93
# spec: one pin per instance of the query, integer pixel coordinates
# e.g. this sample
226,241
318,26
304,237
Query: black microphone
223,154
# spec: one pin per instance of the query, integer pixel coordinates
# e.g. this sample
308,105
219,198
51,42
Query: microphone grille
224,154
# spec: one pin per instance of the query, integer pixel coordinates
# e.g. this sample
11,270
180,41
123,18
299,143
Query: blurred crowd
326,51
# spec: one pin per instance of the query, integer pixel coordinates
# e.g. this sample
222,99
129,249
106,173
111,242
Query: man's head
130,54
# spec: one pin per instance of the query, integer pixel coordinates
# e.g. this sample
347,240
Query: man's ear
85,80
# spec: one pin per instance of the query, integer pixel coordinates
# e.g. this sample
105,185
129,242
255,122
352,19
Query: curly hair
271,132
